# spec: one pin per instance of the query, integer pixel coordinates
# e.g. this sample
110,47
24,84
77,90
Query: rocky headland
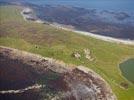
48,78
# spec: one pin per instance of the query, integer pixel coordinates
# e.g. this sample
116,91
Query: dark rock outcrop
60,81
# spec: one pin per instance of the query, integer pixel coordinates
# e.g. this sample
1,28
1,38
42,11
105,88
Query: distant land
117,23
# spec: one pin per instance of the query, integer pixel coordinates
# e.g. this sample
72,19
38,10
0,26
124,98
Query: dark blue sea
116,5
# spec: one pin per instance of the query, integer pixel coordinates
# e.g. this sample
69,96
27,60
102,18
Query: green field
60,44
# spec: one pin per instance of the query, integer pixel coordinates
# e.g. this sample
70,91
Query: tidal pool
127,69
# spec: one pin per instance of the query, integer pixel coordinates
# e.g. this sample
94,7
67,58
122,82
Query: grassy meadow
59,44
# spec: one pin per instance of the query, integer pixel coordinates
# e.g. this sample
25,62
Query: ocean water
120,5
116,5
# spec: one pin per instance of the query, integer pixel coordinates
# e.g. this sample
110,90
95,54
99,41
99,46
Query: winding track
35,86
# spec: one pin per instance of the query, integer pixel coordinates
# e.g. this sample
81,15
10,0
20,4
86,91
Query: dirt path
36,86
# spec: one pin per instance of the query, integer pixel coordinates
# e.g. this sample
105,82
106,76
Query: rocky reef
54,79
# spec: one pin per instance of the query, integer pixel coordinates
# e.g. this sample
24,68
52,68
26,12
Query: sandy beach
26,13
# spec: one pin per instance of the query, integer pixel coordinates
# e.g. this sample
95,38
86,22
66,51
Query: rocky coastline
75,83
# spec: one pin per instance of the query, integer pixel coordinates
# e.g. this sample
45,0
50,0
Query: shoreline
28,17
96,36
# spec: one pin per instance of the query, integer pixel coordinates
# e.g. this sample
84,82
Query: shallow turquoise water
127,69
